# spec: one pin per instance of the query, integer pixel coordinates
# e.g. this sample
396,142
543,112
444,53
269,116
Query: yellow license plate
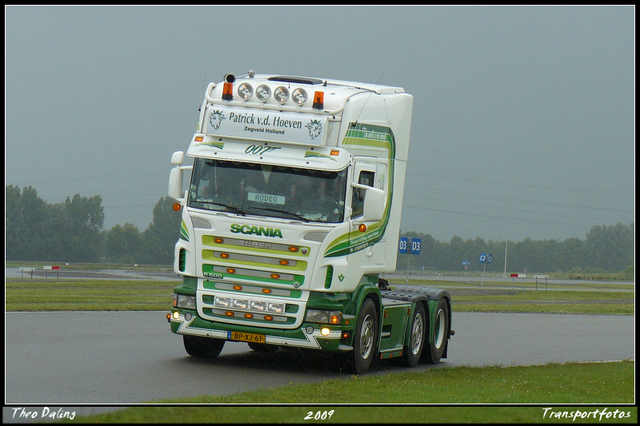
246,337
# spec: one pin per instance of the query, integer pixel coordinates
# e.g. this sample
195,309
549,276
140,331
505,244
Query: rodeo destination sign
265,125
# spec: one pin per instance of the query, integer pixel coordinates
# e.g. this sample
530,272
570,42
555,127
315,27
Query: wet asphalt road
132,357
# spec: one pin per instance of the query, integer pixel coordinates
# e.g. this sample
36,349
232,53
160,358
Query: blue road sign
489,257
483,257
415,245
404,242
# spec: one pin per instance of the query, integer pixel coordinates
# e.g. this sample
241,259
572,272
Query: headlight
260,306
188,302
324,317
242,304
223,301
276,307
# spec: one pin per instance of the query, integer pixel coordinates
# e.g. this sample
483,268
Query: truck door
368,172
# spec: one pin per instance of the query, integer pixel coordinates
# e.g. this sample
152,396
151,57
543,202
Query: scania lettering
290,219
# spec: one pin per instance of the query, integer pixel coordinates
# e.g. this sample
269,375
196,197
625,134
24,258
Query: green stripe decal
184,232
377,137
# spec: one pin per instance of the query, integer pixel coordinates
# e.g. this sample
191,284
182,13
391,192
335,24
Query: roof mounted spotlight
252,73
227,89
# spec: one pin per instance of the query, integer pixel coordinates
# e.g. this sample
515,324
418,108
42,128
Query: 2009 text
319,415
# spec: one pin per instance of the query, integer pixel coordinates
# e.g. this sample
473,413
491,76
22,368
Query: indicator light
232,271
293,249
229,313
218,240
268,318
199,138
226,255
266,290
275,276
248,316
362,227
284,262
177,207
335,152
237,287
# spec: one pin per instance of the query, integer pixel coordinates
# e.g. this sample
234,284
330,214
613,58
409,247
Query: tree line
72,232
605,249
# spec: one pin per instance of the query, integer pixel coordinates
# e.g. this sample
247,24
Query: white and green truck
291,213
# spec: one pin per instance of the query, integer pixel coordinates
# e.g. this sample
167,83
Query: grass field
149,295
438,395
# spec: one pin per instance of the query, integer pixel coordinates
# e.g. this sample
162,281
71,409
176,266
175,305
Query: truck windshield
274,191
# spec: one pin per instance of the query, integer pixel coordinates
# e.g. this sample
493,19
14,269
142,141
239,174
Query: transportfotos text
598,414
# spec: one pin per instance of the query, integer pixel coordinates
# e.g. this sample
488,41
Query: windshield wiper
226,206
295,215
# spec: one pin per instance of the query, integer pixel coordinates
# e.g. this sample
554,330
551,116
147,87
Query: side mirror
175,176
175,183
374,201
177,158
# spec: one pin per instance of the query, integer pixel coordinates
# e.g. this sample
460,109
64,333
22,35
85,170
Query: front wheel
202,347
438,345
413,351
366,337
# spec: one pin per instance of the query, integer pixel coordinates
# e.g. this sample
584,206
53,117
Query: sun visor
266,125
229,149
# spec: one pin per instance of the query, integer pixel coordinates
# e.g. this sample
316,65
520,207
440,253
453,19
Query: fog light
176,315
325,331
263,92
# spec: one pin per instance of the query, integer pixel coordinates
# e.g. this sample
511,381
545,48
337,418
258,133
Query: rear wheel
434,351
413,351
365,337
202,347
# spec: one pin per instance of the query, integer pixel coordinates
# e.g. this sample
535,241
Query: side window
357,200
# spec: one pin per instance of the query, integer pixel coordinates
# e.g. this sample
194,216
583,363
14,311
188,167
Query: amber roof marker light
318,100
227,88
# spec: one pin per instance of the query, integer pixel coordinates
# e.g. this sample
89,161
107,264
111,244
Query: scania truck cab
290,214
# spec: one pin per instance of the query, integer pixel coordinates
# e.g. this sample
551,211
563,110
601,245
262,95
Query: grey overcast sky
523,120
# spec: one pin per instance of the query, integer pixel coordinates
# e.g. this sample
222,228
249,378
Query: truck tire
413,351
436,348
365,338
202,347
262,347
